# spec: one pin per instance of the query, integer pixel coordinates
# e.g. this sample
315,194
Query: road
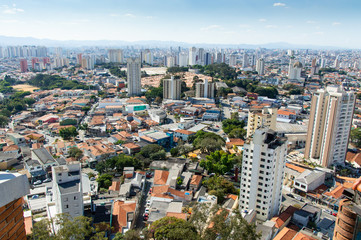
140,224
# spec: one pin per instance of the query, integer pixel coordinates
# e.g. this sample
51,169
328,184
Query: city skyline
324,23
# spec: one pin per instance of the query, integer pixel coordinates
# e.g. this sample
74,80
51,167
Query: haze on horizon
321,22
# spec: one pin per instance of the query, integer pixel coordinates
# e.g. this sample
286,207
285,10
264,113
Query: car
146,210
290,195
146,214
47,180
148,203
35,197
334,214
150,191
145,218
92,179
37,182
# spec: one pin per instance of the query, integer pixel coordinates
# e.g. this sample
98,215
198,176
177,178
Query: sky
312,22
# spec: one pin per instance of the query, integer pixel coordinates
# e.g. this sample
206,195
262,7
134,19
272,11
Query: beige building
115,55
257,118
133,77
205,89
329,125
172,88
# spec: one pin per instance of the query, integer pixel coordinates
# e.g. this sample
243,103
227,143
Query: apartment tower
172,88
205,89
133,76
260,118
329,125
263,164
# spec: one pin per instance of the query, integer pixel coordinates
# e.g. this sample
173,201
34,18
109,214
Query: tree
69,121
3,121
207,142
174,152
152,152
105,180
355,136
75,153
238,133
270,92
179,181
229,124
218,162
172,228
78,228
219,186
68,133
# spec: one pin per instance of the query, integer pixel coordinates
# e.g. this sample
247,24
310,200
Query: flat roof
69,187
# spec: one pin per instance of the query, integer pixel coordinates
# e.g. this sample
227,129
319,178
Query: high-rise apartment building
233,60
192,56
260,66
172,88
207,59
115,55
183,59
23,65
294,69
13,187
261,118
245,61
262,173
329,125
147,57
348,222
205,89
67,190
171,61
200,59
134,76
79,58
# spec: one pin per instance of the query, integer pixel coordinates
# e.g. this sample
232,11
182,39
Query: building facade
263,166
258,118
260,66
172,88
205,89
13,187
133,77
115,55
329,125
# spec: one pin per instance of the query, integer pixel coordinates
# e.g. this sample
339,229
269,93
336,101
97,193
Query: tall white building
115,55
263,166
329,125
233,60
294,70
260,66
134,77
67,190
245,62
172,88
147,57
205,89
183,59
170,61
192,56
200,59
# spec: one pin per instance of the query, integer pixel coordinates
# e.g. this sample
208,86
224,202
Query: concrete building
294,70
258,118
183,60
260,66
13,187
67,190
133,77
23,65
233,60
115,55
192,56
348,222
147,57
262,173
205,89
245,61
329,125
172,88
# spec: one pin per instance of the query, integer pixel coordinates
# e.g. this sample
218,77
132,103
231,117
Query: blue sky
317,22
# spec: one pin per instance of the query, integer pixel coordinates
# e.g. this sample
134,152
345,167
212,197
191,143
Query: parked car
146,210
35,197
145,218
334,214
148,203
47,180
37,182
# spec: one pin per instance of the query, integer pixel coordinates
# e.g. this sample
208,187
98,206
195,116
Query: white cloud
129,15
262,20
11,10
271,26
210,27
244,26
114,15
310,22
336,23
278,4
9,21
319,33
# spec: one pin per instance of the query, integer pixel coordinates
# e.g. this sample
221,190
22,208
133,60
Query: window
75,197
66,206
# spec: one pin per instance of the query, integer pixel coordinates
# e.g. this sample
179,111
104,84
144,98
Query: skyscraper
67,190
260,66
183,59
262,173
147,57
13,187
245,62
294,70
115,55
23,65
205,89
201,56
134,76
329,125
233,60
207,58
261,118
192,56
172,88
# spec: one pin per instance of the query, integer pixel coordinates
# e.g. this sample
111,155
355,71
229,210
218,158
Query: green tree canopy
69,121
172,228
68,133
355,136
218,162
75,153
229,124
105,180
207,141
219,186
